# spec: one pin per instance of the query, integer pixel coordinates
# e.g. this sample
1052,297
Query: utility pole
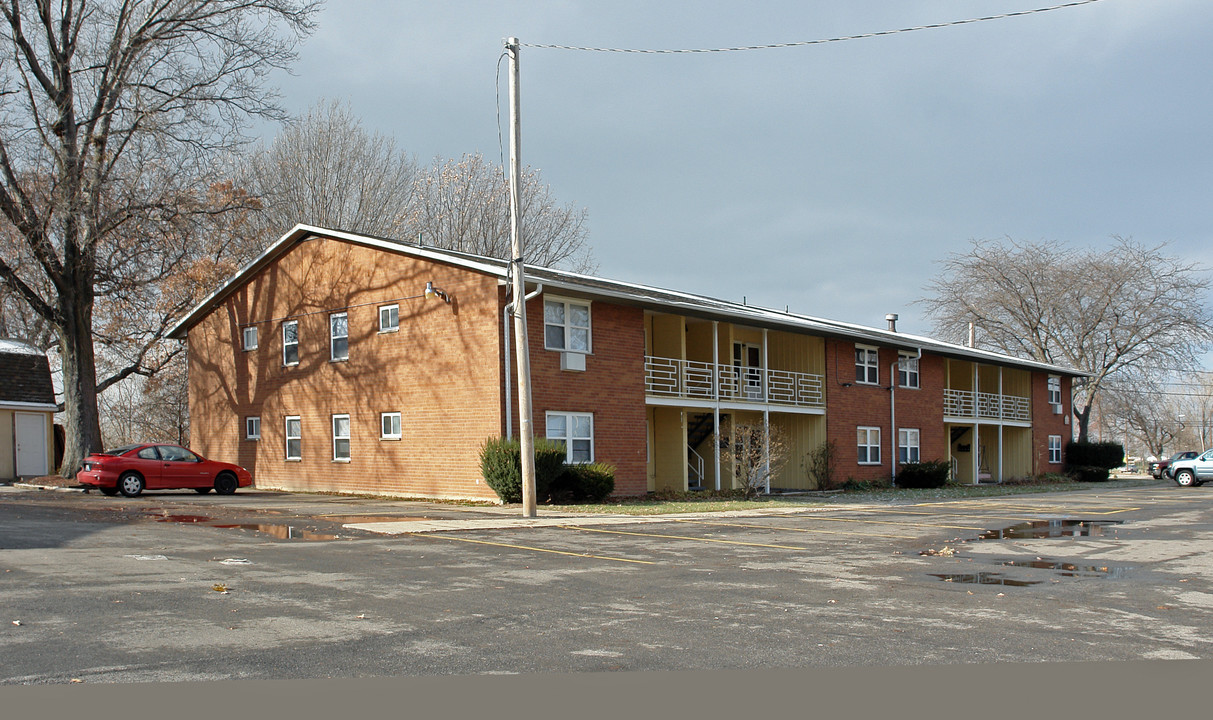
526,432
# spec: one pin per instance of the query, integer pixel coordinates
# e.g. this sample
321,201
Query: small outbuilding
27,409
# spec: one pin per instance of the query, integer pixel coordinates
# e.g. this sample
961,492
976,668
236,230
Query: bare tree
112,116
1099,310
1138,400
327,170
757,454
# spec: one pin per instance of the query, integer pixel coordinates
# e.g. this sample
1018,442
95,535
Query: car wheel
1185,478
202,491
130,484
226,484
109,491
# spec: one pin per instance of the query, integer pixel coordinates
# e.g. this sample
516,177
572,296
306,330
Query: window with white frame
290,342
252,428
294,438
867,365
341,438
250,337
869,445
907,445
566,325
1054,390
389,426
339,336
1055,449
575,432
389,318
907,371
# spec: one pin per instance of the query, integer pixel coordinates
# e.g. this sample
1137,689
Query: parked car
1159,469
1192,472
131,469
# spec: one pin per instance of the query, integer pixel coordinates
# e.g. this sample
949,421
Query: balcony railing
986,406
693,380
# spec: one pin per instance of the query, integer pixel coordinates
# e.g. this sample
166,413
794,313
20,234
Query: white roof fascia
15,405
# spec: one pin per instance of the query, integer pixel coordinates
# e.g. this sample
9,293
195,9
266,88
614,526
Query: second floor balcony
705,381
986,406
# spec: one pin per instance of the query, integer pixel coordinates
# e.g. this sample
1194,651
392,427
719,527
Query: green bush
929,474
853,485
591,481
501,467
1089,473
1106,455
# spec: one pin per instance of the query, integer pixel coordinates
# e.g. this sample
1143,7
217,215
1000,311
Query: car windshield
120,450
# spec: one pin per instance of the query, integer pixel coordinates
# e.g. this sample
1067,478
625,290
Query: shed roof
25,375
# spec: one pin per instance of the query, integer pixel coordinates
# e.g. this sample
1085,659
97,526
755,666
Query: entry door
29,430
747,360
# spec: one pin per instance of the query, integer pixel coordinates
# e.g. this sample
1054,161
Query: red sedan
131,469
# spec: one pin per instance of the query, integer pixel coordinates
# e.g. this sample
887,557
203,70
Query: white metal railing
695,464
672,377
986,406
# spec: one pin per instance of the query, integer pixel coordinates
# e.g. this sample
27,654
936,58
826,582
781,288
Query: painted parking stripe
533,549
685,537
803,530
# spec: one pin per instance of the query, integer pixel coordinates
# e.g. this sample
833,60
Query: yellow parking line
803,530
682,537
535,549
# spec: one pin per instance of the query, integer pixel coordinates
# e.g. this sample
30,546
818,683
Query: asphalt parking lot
177,586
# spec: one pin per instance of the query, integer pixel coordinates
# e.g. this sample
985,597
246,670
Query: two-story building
340,362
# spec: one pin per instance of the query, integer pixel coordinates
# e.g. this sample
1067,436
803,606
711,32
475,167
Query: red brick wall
440,371
611,387
1046,423
850,405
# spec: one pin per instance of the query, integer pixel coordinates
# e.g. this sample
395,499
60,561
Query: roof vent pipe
891,318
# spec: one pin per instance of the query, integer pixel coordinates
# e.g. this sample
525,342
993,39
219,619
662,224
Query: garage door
29,430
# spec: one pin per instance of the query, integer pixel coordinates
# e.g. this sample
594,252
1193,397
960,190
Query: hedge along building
346,363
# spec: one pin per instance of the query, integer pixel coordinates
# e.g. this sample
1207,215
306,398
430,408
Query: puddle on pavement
983,578
282,532
1036,529
1070,569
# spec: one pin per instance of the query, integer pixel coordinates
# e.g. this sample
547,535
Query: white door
29,430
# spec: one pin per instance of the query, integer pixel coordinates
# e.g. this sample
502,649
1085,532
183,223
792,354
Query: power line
802,43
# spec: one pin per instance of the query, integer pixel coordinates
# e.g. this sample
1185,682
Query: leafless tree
327,170
112,115
1138,400
757,454
1099,310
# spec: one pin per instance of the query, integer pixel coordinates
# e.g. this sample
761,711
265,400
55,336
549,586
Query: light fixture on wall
433,292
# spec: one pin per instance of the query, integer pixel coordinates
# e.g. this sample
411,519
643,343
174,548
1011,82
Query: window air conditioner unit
1056,408
572,361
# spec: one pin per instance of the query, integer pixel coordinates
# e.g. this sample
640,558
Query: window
250,338
294,438
290,342
148,453
1055,449
389,424
869,445
341,438
867,365
389,318
907,445
566,326
907,371
339,336
252,428
575,432
1054,390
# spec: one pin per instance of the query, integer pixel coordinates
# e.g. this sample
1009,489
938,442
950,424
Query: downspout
505,323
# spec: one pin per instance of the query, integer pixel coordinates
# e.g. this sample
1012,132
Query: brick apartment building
340,362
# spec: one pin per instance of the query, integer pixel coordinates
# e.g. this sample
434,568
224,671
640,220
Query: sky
829,178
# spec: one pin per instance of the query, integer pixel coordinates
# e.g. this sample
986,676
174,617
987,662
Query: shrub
929,474
591,481
854,485
819,465
1094,454
1089,473
501,467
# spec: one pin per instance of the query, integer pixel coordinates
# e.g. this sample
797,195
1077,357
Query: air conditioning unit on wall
572,361
1056,408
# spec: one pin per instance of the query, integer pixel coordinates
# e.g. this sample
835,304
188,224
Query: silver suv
1192,472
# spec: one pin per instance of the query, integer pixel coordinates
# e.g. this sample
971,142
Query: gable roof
25,375
651,298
